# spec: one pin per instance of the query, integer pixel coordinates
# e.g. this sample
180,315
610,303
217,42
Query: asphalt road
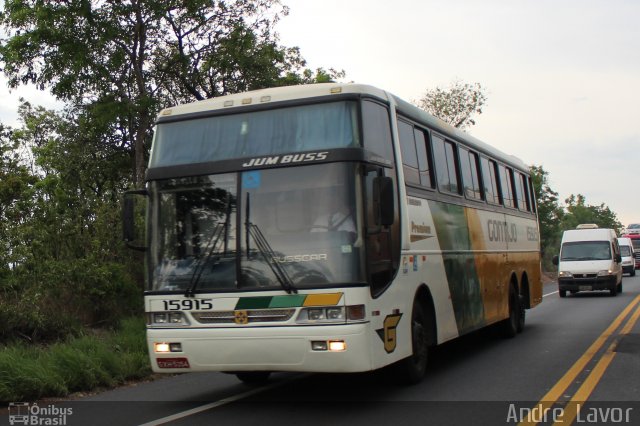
581,350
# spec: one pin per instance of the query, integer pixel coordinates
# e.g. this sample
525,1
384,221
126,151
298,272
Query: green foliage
80,364
578,211
554,219
456,104
65,266
121,62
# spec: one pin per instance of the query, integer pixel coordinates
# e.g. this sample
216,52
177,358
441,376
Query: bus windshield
234,231
269,132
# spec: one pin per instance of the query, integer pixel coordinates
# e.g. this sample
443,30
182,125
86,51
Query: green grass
80,364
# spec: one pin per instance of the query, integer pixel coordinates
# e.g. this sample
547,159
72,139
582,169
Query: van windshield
625,251
586,250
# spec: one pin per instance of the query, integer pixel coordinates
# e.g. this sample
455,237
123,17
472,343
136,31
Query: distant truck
633,229
635,240
589,260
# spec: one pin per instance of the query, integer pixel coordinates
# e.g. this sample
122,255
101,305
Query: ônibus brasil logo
24,413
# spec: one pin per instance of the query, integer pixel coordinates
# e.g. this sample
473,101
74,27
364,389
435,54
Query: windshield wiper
267,252
210,248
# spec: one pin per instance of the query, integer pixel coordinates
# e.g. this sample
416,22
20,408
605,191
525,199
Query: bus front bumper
261,349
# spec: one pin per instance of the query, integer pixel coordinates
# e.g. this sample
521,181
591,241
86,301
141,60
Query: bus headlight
166,319
332,314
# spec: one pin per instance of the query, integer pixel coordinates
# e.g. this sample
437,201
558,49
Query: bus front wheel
413,368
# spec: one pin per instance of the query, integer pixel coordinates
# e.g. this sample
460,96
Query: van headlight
605,273
565,274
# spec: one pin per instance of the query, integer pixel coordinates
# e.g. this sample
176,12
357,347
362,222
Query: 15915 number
188,304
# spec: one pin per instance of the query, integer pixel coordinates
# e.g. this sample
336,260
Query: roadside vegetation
81,363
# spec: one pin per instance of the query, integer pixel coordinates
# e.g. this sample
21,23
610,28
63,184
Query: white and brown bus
328,228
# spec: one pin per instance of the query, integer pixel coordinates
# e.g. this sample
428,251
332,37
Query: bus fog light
337,345
318,345
161,348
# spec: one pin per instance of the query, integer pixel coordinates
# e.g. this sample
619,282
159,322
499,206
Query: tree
578,211
62,261
123,60
456,104
550,214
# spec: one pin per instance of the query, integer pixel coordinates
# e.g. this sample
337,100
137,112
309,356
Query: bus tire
522,313
253,378
510,325
412,369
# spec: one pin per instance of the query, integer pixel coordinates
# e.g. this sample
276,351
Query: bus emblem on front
241,317
388,332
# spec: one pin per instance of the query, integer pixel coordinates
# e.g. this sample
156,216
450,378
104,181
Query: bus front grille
244,317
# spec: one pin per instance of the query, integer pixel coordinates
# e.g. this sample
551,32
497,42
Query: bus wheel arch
423,296
411,370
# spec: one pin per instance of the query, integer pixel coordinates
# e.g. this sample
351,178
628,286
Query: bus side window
377,129
409,156
489,177
445,163
424,158
532,196
524,203
506,185
470,177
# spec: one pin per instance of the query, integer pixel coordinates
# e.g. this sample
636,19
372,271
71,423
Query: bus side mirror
383,199
555,260
129,233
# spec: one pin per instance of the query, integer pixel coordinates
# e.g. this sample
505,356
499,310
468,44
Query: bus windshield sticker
251,180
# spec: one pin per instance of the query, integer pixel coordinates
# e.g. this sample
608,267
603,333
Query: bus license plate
584,288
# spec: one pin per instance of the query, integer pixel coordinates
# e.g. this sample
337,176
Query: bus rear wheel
412,369
253,378
513,324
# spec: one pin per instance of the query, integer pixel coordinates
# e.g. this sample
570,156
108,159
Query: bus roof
292,93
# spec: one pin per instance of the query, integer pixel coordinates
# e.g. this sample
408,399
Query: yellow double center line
583,393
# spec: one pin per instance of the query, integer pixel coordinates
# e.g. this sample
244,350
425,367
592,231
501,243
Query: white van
589,260
628,256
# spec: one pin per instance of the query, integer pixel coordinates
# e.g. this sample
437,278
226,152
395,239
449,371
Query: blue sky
562,77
